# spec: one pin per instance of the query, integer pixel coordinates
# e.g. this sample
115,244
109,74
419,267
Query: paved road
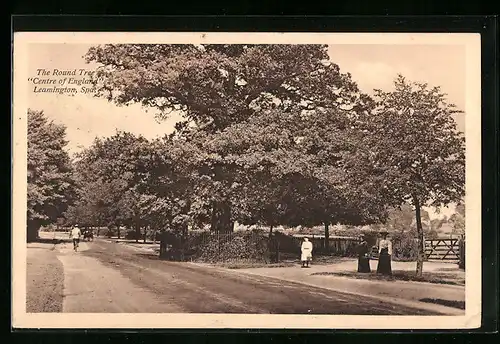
108,277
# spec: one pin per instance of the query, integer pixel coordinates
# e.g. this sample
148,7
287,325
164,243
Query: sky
370,65
86,116
376,66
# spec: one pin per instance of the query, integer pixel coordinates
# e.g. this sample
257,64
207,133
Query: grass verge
250,265
45,281
285,261
401,275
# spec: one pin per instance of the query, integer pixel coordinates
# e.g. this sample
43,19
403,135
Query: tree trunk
145,233
420,237
327,237
32,230
137,232
221,218
273,254
213,220
118,229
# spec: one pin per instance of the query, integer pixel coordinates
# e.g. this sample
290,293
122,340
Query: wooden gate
442,249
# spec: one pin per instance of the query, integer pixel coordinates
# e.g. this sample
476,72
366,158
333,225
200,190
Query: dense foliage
271,135
409,147
263,139
50,178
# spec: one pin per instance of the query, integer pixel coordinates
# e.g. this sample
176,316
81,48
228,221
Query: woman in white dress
306,252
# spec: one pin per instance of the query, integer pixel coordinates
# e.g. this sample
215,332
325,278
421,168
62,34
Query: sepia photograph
242,180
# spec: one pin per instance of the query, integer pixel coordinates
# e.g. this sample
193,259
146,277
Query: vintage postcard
246,180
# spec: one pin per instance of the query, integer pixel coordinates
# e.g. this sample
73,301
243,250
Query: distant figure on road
75,234
385,253
363,256
306,252
88,235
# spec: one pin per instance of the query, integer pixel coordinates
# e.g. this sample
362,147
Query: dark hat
384,232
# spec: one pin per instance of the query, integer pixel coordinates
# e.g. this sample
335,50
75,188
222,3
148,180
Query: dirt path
91,287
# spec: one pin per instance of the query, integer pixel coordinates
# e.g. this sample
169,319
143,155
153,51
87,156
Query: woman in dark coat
385,253
363,258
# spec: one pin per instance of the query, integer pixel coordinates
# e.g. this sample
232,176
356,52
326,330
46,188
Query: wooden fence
192,244
336,246
444,249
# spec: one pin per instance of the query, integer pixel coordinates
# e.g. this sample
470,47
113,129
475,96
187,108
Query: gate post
461,250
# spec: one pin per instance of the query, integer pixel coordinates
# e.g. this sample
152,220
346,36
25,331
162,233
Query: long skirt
306,255
364,264
384,264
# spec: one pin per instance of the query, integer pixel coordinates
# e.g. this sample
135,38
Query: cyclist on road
75,234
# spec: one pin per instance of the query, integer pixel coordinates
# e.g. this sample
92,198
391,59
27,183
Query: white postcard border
472,317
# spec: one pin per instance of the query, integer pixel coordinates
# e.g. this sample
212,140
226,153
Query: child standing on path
306,252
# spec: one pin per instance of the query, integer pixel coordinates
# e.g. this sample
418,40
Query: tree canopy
410,146
50,178
278,114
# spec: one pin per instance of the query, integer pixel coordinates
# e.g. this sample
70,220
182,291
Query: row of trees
273,135
51,186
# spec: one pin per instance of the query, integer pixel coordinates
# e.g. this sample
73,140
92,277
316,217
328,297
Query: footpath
82,284
404,292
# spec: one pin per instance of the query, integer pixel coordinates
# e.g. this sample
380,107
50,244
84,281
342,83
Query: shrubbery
255,246
404,246
108,232
133,235
241,247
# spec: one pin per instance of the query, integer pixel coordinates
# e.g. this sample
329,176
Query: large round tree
218,87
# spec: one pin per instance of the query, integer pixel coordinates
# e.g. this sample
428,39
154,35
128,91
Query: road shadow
451,269
401,275
148,256
46,241
447,303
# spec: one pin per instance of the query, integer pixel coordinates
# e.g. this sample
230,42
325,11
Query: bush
109,232
404,246
249,247
103,231
133,235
